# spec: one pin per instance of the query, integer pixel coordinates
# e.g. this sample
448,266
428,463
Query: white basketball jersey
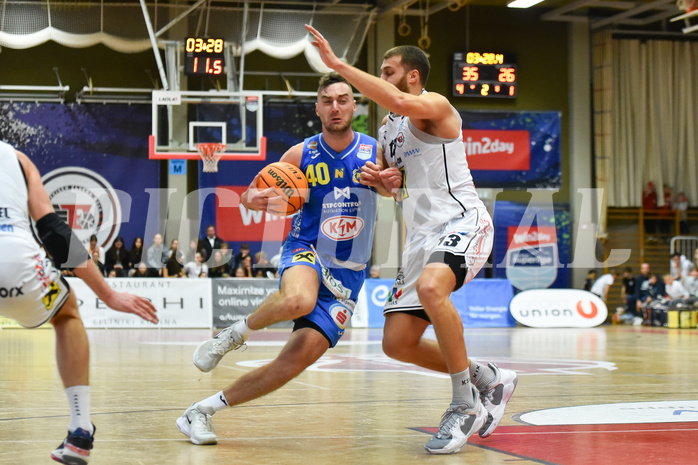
436,183
18,243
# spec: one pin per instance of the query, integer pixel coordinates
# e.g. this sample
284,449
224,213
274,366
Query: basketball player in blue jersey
323,261
449,238
36,293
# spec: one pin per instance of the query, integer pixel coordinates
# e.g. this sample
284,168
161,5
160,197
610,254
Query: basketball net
210,153
686,5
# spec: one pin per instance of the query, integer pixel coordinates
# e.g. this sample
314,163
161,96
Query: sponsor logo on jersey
8,228
341,315
365,151
305,257
312,145
86,202
50,298
299,249
10,292
400,139
342,192
342,228
394,295
356,176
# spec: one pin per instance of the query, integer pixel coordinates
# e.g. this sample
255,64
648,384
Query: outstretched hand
326,54
129,303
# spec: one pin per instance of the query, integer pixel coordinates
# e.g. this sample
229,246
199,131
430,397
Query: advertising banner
513,149
482,303
93,161
235,298
180,303
558,308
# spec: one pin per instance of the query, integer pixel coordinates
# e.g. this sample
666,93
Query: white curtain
645,117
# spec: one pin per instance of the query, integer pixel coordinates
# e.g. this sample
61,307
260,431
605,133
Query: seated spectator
680,266
117,259
240,272
375,272
135,254
93,247
191,252
591,278
95,258
628,313
210,241
218,267
173,266
156,256
690,282
247,266
196,267
274,261
673,288
682,208
262,267
603,284
244,252
141,271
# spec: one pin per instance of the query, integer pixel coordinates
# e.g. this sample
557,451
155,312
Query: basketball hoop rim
261,155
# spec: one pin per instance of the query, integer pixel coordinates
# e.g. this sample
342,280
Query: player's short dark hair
330,78
412,58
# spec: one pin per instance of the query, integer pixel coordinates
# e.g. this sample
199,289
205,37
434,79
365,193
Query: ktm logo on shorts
51,296
308,257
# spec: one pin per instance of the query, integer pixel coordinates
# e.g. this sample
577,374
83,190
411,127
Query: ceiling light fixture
523,3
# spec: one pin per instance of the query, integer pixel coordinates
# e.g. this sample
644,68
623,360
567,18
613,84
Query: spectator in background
100,266
680,266
93,247
603,284
117,258
673,288
375,272
690,282
135,254
210,242
228,258
247,266
217,266
262,267
591,279
173,266
156,256
194,268
682,208
627,294
240,272
649,205
191,252
244,252
141,271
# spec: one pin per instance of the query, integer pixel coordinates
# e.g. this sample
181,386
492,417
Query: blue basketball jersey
339,214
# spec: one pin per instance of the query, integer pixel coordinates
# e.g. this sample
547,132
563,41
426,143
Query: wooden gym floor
620,395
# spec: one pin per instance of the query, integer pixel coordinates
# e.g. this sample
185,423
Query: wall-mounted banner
235,298
513,149
558,308
180,303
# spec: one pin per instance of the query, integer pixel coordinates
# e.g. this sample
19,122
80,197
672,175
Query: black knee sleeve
60,242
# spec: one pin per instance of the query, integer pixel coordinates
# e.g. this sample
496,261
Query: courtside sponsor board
558,308
497,150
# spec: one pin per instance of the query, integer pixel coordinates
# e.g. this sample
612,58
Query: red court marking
633,444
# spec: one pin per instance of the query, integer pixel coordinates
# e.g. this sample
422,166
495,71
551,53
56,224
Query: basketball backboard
183,119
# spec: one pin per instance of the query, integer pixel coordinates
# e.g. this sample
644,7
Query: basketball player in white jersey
35,292
449,238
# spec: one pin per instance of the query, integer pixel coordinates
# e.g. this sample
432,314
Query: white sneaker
457,425
196,423
495,398
210,352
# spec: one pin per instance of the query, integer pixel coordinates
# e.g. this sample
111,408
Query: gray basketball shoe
495,398
196,424
210,352
457,425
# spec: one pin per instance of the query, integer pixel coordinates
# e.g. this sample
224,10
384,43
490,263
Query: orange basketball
288,181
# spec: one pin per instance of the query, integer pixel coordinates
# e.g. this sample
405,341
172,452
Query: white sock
79,403
481,375
242,328
217,402
462,391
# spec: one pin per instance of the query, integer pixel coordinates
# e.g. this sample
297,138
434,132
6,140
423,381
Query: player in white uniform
37,293
449,237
